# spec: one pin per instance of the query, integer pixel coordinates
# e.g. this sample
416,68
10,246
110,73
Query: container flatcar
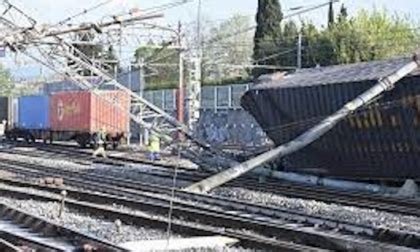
32,118
64,116
381,141
79,115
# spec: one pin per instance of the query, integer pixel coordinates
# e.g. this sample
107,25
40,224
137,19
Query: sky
53,11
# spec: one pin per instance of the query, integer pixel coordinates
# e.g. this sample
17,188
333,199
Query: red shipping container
83,111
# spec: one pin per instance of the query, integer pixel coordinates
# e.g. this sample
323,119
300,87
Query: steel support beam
55,53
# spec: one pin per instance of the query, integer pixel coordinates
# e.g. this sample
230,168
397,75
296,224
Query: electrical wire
251,28
83,12
171,202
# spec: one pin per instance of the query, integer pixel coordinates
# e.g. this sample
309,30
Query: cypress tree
343,14
289,41
331,15
267,35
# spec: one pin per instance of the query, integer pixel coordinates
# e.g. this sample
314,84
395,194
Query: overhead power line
251,28
84,12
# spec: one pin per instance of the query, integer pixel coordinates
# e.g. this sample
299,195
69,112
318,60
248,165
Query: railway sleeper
28,230
312,234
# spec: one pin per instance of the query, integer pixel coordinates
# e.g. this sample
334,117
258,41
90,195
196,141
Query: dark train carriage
380,141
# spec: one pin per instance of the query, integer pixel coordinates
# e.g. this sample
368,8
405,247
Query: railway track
311,230
328,195
97,204
19,229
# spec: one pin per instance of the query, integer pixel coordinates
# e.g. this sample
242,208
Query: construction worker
154,147
100,142
3,129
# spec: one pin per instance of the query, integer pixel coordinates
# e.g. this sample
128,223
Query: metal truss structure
47,45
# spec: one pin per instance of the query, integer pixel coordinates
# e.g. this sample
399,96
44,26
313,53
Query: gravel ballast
351,214
92,225
358,215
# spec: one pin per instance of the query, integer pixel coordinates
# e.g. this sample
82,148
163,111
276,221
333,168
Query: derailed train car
381,141
70,115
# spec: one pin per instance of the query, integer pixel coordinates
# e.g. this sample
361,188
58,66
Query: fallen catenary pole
310,135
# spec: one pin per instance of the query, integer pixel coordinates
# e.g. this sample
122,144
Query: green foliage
288,44
6,85
267,34
226,81
367,36
161,65
342,17
222,59
331,14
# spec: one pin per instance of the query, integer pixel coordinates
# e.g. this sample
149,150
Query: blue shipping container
34,112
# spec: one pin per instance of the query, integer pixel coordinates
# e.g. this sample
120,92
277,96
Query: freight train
69,115
379,142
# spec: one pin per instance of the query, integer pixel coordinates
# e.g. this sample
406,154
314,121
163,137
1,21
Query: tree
342,17
267,34
372,35
224,58
367,36
287,49
160,65
331,14
6,85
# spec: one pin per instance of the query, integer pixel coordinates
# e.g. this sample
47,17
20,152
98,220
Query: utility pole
299,51
143,134
180,100
194,78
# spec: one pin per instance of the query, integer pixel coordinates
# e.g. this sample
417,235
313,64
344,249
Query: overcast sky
52,11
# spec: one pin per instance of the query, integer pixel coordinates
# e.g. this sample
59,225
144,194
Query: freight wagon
381,141
30,118
74,115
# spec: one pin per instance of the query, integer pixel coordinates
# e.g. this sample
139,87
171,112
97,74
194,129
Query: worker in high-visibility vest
100,142
153,147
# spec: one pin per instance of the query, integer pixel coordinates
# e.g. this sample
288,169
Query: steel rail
7,246
351,198
29,230
100,206
236,209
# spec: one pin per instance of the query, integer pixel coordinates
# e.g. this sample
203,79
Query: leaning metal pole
310,135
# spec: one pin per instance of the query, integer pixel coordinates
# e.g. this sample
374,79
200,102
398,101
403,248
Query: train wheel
81,143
